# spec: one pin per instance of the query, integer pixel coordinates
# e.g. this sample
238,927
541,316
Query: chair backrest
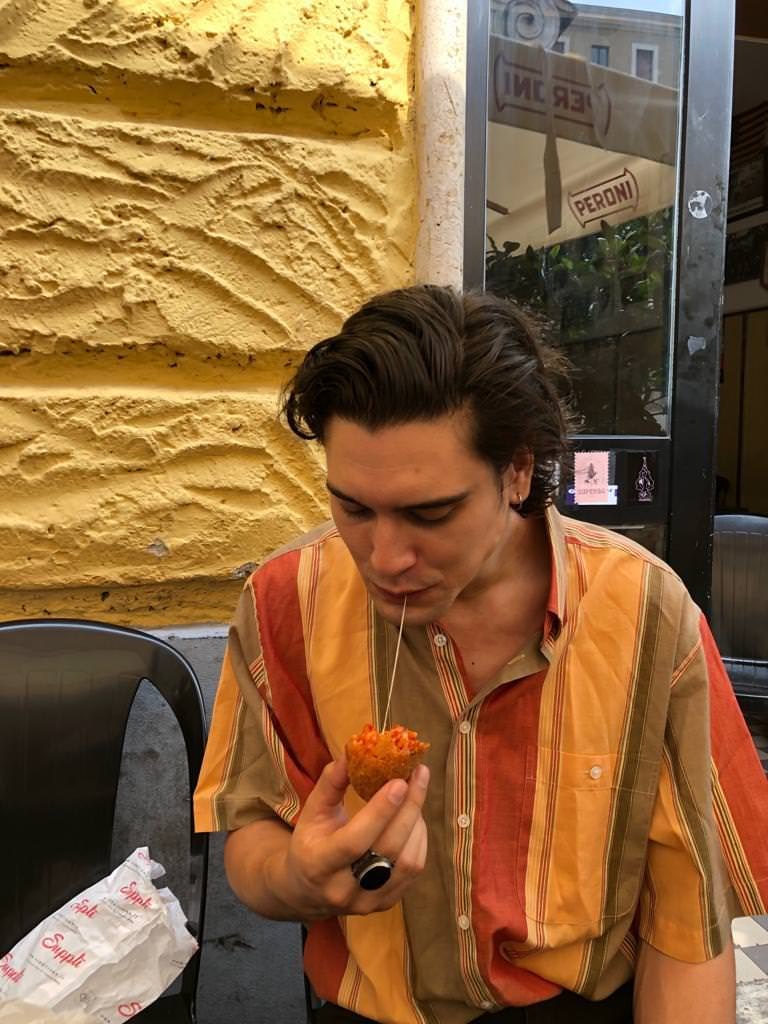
66,690
740,587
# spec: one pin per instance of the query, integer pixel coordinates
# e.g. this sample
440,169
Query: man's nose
392,552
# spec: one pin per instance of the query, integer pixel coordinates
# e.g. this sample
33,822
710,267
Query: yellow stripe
574,719
556,528
377,945
338,659
306,585
677,889
219,750
629,724
340,664
594,536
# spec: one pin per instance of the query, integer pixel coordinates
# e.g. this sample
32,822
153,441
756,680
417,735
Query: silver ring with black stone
372,870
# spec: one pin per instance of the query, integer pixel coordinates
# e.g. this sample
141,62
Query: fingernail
421,775
396,791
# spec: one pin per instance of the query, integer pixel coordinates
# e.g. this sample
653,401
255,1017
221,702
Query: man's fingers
386,822
392,824
328,793
411,859
407,867
361,831
394,837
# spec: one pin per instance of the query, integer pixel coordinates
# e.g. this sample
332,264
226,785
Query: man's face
421,513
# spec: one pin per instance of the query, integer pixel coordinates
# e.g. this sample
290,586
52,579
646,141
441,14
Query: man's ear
516,478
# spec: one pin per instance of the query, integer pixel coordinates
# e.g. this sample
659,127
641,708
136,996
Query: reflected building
644,44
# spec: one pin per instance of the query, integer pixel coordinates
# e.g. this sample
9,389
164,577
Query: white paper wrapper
108,953
27,1013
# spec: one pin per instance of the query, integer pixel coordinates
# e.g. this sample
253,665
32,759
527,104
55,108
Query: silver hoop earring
519,504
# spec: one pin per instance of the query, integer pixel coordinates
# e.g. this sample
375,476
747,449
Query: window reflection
582,149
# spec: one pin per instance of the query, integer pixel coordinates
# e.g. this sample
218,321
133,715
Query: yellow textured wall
191,191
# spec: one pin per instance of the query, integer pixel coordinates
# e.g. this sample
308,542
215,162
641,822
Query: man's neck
513,595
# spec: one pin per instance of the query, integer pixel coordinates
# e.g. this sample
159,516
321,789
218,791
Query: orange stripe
326,958
742,788
747,890
284,652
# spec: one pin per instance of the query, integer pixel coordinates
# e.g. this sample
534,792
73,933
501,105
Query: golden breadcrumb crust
374,758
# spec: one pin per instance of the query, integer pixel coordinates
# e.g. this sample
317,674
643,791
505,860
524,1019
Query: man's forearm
253,856
668,991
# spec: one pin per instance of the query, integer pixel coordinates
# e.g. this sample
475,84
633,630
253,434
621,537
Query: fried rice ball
374,757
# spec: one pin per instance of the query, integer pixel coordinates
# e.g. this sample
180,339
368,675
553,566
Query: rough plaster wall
191,192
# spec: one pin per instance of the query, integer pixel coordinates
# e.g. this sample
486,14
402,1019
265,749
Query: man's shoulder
612,571
276,579
318,537
612,548
284,565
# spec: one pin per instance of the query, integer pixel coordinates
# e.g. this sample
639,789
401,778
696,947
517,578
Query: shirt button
595,771
463,821
441,639
463,922
464,727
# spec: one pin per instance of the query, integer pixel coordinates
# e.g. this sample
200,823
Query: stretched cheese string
397,654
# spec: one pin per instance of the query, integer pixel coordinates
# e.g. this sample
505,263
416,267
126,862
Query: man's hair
427,351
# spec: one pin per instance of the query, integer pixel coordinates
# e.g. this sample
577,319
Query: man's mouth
398,596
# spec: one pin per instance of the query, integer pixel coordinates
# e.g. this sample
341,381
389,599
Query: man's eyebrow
449,499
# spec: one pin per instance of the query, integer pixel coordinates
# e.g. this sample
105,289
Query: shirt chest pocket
586,838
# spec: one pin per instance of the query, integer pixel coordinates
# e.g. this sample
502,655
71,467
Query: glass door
597,149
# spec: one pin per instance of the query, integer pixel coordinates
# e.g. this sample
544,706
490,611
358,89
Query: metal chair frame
740,606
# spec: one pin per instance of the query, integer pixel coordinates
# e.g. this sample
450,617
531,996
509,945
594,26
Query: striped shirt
602,789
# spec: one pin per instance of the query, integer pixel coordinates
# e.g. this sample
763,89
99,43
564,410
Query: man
591,813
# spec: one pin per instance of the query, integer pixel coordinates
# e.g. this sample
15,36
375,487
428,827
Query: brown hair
423,352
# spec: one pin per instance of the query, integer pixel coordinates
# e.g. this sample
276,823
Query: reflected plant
594,293
581,286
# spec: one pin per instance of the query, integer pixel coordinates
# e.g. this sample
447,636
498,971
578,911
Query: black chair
66,689
740,606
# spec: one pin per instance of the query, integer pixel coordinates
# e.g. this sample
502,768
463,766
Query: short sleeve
706,863
264,751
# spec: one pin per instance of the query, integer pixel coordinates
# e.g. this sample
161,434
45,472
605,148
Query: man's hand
306,874
668,991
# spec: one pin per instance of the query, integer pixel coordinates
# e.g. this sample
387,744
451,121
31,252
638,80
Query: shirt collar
555,616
